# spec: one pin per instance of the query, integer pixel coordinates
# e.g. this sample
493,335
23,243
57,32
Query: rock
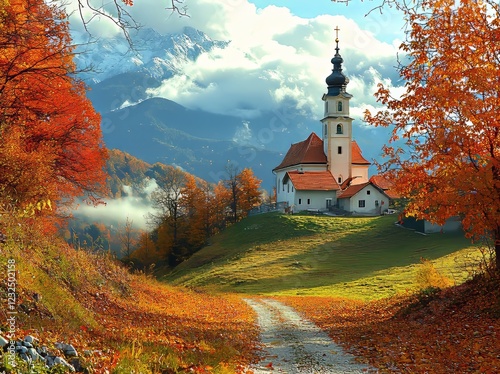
67,349
30,339
3,341
77,364
35,356
49,360
63,362
21,349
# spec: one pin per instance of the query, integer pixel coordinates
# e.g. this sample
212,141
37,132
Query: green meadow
362,258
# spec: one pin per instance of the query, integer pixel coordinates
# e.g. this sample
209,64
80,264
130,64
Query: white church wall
360,171
314,200
368,201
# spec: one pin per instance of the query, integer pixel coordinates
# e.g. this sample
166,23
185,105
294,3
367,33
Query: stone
68,349
49,360
63,362
77,364
3,341
21,349
27,345
35,356
30,339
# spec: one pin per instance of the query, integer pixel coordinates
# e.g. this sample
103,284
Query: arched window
339,106
339,129
326,107
326,130
340,179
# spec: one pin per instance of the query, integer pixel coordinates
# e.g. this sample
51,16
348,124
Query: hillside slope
120,323
283,254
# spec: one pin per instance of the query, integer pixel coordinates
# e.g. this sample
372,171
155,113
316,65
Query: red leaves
51,140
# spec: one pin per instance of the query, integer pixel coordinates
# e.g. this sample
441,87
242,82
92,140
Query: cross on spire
337,33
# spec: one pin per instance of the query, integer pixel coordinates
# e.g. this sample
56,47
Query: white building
320,173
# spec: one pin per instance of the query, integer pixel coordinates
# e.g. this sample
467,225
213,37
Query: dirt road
293,344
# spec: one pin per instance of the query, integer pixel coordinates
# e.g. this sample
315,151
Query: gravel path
292,344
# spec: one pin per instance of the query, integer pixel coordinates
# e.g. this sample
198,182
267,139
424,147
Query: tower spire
336,81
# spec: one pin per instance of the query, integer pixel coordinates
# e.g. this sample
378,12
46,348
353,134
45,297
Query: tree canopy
448,116
51,147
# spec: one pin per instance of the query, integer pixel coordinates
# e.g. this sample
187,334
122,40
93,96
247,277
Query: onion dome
336,81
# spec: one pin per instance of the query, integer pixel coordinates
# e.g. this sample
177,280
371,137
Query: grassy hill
121,323
364,258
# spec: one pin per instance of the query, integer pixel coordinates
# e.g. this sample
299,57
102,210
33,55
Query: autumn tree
51,147
127,237
167,210
192,202
449,116
243,189
221,205
250,194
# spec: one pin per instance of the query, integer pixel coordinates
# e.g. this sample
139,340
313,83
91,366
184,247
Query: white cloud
115,211
273,57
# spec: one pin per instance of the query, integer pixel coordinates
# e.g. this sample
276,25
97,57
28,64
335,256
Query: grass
357,257
136,323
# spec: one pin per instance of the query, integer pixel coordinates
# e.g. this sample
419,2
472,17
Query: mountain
160,130
157,55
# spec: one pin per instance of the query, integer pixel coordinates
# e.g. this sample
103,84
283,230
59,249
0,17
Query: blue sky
363,12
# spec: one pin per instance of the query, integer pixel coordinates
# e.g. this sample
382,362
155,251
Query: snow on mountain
157,55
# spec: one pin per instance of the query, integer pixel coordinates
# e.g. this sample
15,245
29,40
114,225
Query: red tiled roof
313,181
381,182
352,190
309,151
357,156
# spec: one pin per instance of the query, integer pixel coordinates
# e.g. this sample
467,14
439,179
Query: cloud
133,204
275,57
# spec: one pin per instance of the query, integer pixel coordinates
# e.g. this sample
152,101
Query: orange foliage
456,331
121,309
249,189
51,147
448,117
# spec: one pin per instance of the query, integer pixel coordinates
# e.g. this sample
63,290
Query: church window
326,107
292,187
326,129
376,202
340,179
339,150
287,187
339,129
308,201
361,203
283,186
339,106
368,192
279,184
300,201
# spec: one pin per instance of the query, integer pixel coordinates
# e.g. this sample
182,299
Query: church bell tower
337,125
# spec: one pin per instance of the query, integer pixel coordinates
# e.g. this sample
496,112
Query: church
327,172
